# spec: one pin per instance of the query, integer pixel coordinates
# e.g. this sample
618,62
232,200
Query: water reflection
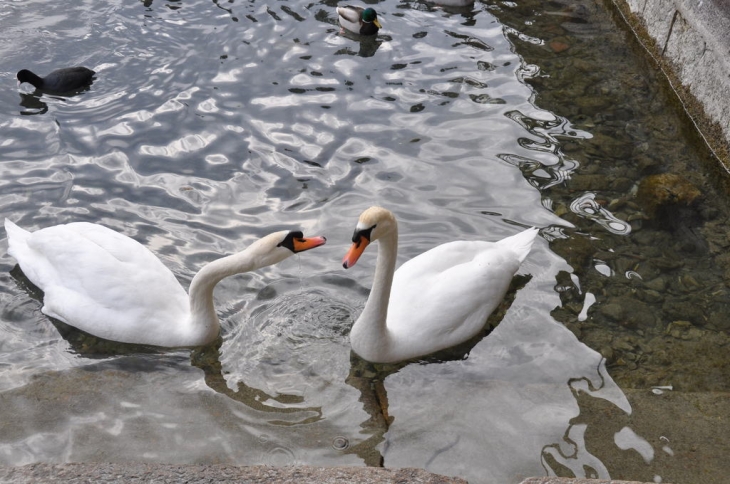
367,46
33,105
586,206
575,458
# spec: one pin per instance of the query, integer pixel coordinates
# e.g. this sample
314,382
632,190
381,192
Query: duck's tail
521,243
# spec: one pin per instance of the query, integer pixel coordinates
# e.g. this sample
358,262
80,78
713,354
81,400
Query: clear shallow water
212,124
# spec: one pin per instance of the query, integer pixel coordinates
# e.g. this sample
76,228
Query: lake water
213,123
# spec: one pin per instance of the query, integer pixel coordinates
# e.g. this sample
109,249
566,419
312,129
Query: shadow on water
33,103
207,358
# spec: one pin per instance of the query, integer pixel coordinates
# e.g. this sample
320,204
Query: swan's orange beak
306,243
355,252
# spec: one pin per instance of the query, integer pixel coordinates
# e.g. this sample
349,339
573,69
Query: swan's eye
366,233
288,241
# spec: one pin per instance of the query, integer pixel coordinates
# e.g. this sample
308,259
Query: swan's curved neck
203,317
370,328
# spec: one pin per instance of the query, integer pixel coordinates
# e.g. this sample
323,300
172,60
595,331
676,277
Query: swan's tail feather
521,243
17,238
15,234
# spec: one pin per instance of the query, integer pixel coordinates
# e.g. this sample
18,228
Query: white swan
434,301
111,286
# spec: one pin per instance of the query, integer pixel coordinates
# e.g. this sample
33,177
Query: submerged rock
629,312
671,203
664,192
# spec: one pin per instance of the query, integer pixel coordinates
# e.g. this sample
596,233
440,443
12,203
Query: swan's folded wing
95,275
448,292
119,246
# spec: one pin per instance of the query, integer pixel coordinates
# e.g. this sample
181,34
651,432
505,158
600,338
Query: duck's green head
369,15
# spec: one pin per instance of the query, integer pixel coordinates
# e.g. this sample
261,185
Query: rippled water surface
213,123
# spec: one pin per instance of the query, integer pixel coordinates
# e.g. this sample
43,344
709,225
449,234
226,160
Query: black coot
60,80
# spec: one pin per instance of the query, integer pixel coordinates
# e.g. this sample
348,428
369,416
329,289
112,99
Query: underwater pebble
612,311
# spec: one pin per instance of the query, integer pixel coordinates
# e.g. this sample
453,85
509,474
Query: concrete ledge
131,473
690,40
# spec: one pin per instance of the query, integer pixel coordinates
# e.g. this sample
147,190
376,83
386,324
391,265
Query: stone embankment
690,41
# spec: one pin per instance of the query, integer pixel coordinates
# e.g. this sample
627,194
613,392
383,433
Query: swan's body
434,301
358,20
111,286
61,80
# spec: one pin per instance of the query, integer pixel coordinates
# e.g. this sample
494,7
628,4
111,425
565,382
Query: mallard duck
434,301
60,80
358,20
113,287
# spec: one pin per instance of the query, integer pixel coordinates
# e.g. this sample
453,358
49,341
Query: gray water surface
211,124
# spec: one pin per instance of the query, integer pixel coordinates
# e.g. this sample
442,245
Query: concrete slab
173,474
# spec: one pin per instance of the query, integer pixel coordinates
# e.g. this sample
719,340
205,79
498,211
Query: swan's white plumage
111,286
438,299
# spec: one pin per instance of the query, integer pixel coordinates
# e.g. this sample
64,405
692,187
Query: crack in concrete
671,29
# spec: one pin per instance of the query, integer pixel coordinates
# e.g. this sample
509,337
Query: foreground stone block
173,474
563,480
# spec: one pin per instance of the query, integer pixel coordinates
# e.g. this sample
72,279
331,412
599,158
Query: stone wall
690,39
